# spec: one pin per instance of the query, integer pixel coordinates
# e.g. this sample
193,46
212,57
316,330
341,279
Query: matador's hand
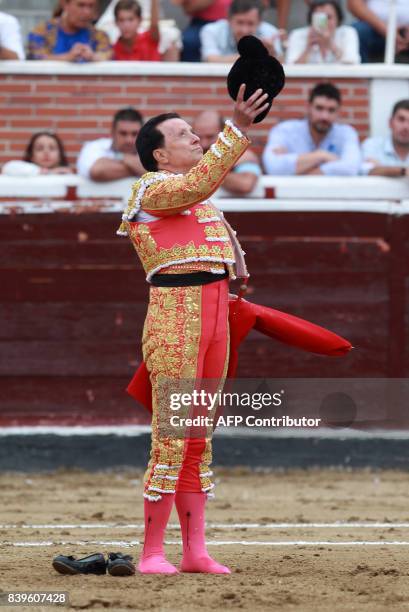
245,111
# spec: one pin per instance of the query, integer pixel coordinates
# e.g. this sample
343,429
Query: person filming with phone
325,40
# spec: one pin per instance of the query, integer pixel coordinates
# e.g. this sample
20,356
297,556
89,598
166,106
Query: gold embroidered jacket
175,242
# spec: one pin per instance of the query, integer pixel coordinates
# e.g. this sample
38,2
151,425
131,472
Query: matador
189,252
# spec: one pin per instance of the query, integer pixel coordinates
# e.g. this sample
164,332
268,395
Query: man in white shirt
110,159
219,39
11,43
317,144
390,156
372,26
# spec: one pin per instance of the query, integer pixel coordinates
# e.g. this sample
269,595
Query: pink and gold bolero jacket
190,233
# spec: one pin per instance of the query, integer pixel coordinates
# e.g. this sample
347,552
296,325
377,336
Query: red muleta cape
244,316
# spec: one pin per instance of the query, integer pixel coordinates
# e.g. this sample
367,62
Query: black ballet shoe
120,565
92,564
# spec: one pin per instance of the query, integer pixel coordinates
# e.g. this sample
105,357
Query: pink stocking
152,560
191,511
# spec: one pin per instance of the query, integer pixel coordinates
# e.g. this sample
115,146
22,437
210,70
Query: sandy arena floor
300,566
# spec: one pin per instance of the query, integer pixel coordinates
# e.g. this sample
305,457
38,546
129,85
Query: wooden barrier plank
309,223
120,357
93,358
101,285
63,321
94,226
275,360
115,320
68,400
276,252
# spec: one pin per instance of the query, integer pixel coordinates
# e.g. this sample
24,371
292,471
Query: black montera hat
258,70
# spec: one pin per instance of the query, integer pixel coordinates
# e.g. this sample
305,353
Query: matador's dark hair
150,138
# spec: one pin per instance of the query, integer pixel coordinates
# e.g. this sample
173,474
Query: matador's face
182,149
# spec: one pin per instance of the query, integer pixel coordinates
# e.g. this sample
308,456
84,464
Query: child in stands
132,44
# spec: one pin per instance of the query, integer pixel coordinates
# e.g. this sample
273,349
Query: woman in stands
325,39
44,154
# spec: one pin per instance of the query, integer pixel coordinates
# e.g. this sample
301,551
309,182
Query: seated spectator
11,43
244,178
390,156
132,44
316,144
200,12
109,159
326,40
219,39
44,155
70,37
169,43
372,27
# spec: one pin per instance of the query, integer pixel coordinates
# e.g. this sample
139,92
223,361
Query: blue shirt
295,137
64,42
49,38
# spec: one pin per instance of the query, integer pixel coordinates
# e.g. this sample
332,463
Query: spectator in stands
11,43
390,156
282,9
325,40
132,44
372,26
201,12
219,40
45,154
316,144
109,159
243,179
169,43
70,37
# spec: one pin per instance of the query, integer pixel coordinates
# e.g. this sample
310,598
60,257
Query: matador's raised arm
163,194
180,191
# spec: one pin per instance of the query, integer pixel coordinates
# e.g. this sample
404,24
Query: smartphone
319,21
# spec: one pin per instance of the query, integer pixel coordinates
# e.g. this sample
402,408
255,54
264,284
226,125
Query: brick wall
80,108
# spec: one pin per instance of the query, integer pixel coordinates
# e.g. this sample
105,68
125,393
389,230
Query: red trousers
186,335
